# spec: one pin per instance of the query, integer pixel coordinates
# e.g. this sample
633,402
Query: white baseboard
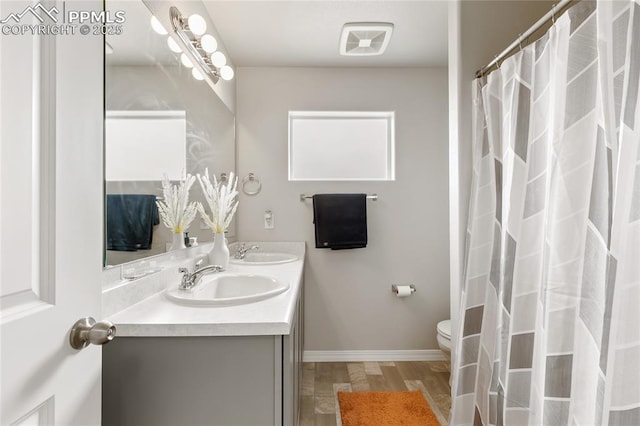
358,356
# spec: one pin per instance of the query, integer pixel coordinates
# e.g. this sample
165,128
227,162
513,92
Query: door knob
87,330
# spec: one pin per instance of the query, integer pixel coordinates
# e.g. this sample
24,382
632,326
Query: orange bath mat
385,409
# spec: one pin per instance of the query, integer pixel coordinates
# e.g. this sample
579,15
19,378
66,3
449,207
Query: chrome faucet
191,279
242,250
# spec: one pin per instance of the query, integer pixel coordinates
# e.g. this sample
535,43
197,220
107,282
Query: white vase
219,254
177,242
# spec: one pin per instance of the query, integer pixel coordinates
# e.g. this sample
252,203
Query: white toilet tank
444,335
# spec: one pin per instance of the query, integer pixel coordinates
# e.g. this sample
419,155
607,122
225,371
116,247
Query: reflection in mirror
158,120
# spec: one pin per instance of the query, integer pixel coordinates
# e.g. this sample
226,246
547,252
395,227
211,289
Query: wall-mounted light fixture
209,62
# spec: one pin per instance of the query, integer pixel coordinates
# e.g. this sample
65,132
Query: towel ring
249,181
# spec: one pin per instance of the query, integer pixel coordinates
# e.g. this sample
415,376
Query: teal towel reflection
130,221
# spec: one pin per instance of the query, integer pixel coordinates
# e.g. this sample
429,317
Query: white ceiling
298,33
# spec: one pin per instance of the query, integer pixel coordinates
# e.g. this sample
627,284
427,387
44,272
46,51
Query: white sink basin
229,289
257,258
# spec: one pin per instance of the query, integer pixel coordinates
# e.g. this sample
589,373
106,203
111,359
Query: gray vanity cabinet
292,368
226,380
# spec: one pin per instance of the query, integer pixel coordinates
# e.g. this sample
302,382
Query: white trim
43,414
456,248
345,356
146,114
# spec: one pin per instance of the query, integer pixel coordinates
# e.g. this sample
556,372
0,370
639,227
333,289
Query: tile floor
321,381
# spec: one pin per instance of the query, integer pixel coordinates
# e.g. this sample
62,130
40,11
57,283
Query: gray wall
349,305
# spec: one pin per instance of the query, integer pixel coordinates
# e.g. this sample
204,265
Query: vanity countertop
157,316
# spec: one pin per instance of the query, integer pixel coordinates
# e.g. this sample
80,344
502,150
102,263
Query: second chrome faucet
243,249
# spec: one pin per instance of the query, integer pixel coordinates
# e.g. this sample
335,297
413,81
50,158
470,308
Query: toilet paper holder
394,288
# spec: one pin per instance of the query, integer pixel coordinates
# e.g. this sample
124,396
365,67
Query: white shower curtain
550,317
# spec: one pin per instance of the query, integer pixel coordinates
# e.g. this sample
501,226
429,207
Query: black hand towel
130,221
340,220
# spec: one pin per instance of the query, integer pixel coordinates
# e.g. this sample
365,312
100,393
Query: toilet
444,337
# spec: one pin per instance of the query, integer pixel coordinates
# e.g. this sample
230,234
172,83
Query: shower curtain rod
556,10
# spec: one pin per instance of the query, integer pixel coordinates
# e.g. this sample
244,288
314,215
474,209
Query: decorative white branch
221,199
175,210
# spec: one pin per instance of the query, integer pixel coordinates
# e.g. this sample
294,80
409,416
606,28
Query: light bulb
186,61
208,43
157,26
197,24
173,45
218,59
226,72
197,74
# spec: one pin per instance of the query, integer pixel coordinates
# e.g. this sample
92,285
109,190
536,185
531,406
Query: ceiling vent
365,38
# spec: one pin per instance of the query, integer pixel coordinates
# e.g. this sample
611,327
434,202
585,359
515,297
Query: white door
50,218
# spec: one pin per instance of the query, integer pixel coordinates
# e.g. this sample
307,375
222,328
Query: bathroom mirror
158,119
